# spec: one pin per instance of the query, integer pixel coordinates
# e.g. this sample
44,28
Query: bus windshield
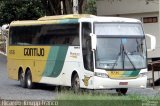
121,53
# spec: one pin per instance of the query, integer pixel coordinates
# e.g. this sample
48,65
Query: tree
90,7
11,10
54,7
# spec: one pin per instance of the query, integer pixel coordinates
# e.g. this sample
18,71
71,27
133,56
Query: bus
79,51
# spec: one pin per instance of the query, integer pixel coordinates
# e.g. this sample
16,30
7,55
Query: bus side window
86,46
66,40
58,34
52,41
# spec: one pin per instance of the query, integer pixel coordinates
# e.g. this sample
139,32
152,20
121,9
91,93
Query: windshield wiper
118,56
129,59
123,53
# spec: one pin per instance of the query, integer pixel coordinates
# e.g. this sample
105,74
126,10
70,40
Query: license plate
123,83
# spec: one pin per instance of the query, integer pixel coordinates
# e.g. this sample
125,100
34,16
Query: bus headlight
143,74
103,75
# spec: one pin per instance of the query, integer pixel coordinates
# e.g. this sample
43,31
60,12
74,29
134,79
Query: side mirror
153,42
94,41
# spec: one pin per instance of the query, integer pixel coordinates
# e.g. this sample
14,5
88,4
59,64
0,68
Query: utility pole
75,6
62,8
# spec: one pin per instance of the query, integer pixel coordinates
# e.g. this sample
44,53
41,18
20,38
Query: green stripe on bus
134,73
55,61
68,21
127,73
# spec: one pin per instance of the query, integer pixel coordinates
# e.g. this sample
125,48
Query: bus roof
109,19
61,17
71,18
37,22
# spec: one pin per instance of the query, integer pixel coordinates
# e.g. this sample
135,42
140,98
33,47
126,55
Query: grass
68,98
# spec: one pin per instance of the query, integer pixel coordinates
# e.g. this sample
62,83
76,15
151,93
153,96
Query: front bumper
107,83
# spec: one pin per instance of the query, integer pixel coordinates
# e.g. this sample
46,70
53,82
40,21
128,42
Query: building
145,10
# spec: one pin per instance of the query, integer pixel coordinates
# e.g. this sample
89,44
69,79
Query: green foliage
90,7
11,10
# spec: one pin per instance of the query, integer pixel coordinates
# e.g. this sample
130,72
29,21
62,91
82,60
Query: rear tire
122,91
22,79
76,84
29,82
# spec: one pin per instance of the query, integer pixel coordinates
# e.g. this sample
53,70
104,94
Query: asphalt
11,90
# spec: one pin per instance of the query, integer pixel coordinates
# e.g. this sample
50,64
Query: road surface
11,90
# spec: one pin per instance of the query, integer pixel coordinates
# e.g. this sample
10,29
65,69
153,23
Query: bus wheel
29,82
122,91
22,79
76,84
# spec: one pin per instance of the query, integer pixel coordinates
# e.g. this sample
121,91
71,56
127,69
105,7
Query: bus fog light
103,75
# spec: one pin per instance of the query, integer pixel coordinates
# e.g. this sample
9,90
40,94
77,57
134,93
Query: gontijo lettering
33,51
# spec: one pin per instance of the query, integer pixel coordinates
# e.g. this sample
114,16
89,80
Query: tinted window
86,46
45,34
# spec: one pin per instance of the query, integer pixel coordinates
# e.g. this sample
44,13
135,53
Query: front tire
29,82
76,84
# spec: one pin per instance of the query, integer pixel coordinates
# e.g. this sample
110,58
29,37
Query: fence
154,69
